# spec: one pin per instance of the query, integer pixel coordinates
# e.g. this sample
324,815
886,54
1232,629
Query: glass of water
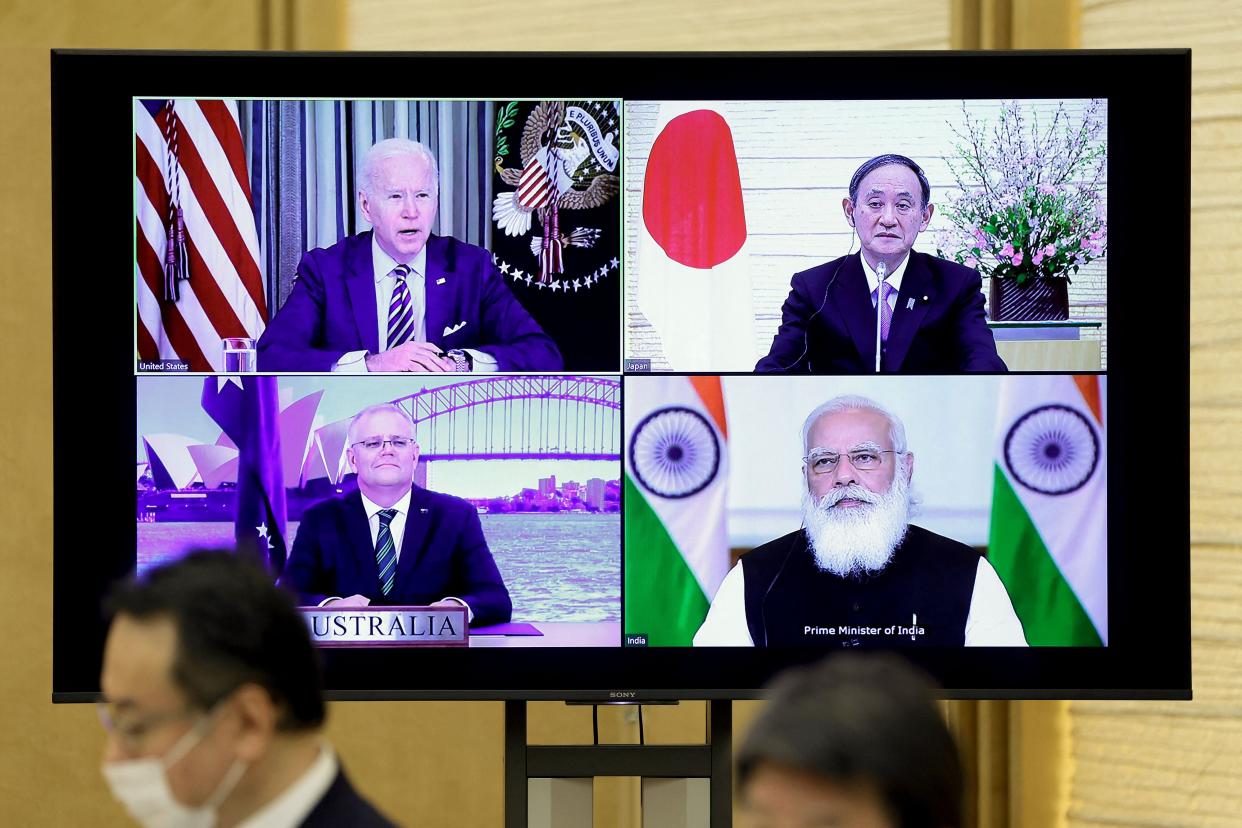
239,355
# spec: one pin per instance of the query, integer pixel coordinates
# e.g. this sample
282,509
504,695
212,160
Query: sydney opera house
180,468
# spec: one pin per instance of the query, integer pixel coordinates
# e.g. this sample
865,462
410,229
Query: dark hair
234,627
868,719
883,161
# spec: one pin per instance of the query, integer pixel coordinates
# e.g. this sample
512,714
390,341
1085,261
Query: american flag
536,187
192,194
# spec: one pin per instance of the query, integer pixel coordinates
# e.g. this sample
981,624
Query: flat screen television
662,220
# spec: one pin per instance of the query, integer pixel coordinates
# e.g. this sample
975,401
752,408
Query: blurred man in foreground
854,742
212,699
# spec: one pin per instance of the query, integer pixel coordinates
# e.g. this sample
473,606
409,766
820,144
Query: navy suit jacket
342,805
443,553
938,327
331,310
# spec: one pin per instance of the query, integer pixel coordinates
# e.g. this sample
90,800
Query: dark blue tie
386,551
400,310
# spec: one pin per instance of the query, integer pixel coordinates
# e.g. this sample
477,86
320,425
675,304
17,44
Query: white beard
849,542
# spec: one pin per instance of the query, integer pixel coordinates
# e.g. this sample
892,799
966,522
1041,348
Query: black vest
922,598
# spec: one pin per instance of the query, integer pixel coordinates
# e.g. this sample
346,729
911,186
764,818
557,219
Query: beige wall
1175,764
647,24
1134,764
49,755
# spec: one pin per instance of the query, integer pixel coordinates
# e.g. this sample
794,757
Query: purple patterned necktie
400,310
886,311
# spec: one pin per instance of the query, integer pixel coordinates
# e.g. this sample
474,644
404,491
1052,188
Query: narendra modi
858,573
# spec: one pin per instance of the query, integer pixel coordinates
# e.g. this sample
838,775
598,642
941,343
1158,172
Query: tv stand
711,761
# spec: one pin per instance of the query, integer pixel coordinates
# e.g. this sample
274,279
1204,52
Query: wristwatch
462,359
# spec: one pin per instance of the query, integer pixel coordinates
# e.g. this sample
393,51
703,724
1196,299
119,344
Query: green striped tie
386,551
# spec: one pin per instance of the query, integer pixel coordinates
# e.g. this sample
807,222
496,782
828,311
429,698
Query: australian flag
248,410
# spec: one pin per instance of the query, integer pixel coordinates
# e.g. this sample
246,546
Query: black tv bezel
1148,93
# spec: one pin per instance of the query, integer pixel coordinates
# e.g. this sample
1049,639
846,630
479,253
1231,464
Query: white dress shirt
396,527
290,809
382,266
894,279
386,280
991,621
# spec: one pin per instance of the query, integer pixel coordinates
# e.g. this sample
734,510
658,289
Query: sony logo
622,694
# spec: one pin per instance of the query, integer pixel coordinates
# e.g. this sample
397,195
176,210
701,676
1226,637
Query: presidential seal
563,173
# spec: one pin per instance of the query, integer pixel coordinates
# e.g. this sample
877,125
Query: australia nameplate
388,626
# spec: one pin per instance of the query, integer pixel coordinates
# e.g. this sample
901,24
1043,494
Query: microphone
881,270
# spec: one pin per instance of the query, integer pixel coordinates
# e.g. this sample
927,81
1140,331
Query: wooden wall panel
646,24
49,755
425,763
1178,764
1015,24
1038,763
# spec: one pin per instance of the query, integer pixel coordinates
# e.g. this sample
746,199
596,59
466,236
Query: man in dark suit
932,317
392,542
213,703
858,573
398,298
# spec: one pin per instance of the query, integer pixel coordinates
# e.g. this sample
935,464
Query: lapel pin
422,511
910,304
440,281
924,298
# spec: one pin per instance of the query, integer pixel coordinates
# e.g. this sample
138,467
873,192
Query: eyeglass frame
806,460
389,441
132,735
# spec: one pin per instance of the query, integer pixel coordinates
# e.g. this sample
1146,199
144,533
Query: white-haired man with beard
858,573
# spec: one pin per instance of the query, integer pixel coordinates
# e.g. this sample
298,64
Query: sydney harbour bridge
518,418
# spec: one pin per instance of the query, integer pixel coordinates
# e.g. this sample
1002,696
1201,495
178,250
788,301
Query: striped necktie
886,310
386,551
400,310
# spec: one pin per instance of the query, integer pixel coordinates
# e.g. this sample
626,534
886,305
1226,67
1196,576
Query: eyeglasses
822,461
132,733
376,443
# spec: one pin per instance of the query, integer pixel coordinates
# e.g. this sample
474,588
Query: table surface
558,634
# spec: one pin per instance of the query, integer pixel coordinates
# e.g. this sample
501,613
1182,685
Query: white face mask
141,785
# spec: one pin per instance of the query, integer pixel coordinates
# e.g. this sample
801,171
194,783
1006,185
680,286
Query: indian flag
694,283
1048,539
676,547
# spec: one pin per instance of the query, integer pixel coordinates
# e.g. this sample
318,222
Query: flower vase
1041,299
